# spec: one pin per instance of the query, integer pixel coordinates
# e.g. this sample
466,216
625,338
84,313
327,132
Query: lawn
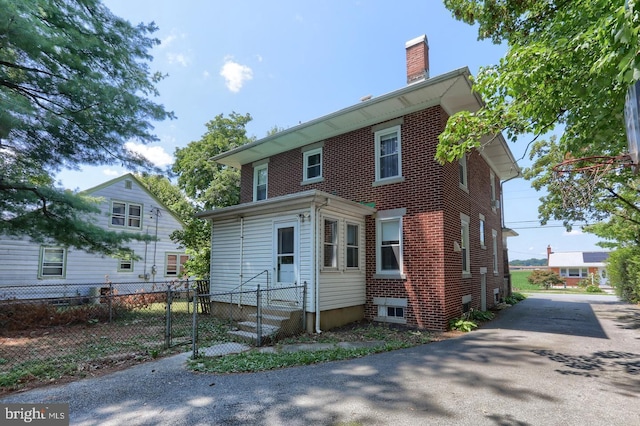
520,283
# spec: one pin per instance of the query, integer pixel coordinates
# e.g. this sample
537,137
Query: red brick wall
433,203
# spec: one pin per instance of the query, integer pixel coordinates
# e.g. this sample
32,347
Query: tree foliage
74,88
544,278
623,266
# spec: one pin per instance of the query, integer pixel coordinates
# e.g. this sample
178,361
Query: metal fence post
304,307
167,332
110,302
194,325
259,316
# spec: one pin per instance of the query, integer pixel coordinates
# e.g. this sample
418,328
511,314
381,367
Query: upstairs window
388,153
126,215
462,170
494,202
312,165
464,244
260,177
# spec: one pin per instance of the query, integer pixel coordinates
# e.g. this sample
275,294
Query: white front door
604,281
285,262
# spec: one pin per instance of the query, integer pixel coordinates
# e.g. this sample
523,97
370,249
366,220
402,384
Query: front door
285,268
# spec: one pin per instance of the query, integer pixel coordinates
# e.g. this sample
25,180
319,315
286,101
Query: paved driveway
550,360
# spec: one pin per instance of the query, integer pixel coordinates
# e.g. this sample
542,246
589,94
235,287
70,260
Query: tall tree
74,88
207,184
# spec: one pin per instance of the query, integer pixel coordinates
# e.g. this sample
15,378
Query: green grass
519,281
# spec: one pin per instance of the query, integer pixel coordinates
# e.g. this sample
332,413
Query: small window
353,252
494,203
391,311
174,265
128,184
388,153
126,215
52,262
125,264
481,230
462,168
464,244
260,178
313,164
330,243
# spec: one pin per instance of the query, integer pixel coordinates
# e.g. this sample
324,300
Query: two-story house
125,205
354,205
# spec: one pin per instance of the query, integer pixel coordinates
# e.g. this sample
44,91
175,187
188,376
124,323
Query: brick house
575,266
354,205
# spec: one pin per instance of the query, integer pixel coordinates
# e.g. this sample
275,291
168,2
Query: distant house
354,205
575,266
126,205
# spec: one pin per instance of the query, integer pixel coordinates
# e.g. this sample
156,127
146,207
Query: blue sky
286,62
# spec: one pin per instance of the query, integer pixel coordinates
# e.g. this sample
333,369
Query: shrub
623,266
545,278
515,298
462,324
593,289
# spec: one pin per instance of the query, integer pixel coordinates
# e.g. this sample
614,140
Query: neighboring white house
575,266
126,205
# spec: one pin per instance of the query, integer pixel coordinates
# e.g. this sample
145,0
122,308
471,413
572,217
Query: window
312,164
464,244
388,153
481,229
260,182
353,252
494,245
574,272
391,309
389,243
126,215
494,203
125,264
174,264
52,262
128,184
462,168
330,243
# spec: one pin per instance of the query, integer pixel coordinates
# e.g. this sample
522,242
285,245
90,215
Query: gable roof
132,177
578,259
452,91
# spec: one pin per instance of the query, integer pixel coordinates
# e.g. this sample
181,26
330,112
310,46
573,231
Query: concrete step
270,319
252,326
245,336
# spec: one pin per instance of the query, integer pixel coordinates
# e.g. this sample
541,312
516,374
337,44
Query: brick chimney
417,59
549,251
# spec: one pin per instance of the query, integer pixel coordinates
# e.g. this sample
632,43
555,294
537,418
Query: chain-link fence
84,327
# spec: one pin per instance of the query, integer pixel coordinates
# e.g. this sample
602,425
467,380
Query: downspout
241,257
316,265
502,197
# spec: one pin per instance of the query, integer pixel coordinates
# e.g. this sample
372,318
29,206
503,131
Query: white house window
388,153
481,229
52,262
574,272
494,244
353,252
330,243
125,264
391,309
174,264
260,178
494,202
464,244
312,164
462,169
127,215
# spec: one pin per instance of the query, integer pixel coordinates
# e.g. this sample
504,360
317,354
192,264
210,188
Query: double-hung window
463,173
330,243
464,244
312,165
494,200
389,242
126,215
481,229
353,245
125,264
388,154
260,178
494,244
174,264
52,262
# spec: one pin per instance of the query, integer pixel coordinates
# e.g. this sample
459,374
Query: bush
593,289
545,278
515,298
623,266
462,324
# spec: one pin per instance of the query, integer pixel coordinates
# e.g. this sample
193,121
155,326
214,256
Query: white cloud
259,58
114,173
178,58
156,154
168,40
235,74
205,74
574,232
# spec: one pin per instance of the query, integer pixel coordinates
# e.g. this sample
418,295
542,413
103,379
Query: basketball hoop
577,179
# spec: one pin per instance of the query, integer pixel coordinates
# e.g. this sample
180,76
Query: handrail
249,280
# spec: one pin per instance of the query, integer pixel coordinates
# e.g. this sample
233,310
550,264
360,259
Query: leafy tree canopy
74,88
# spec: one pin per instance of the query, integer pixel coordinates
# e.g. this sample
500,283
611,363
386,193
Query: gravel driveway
550,360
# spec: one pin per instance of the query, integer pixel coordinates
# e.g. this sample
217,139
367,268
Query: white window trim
127,260
257,169
465,222
305,162
391,179
127,205
494,203
178,265
564,272
382,216
43,249
494,244
358,246
335,244
390,302
464,184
